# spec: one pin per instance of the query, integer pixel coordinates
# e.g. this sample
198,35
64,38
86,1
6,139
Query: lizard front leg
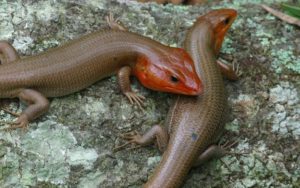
114,23
157,135
125,72
230,72
124,83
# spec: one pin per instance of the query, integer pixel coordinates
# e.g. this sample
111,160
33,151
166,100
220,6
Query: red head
221,21
174,72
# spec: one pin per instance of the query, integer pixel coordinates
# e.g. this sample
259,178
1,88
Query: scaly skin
194,123
82,62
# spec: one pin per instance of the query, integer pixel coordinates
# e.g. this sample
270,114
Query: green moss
283,58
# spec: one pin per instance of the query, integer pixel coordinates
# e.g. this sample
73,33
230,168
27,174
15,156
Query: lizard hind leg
213,151
216,151
38,104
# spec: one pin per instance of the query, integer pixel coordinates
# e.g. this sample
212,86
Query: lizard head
221,21
173,72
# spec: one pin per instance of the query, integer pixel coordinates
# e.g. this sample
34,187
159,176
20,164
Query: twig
282,16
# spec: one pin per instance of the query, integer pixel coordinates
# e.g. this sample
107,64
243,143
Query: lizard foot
227,145
135,98
21,122
229,71
236,69
10,112
132,137
114,23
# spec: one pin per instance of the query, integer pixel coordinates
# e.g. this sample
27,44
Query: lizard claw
135,98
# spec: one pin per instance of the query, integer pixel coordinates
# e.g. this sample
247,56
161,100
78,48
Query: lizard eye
226,21
174,79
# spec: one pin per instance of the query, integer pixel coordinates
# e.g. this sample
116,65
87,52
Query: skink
194,123
82,62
